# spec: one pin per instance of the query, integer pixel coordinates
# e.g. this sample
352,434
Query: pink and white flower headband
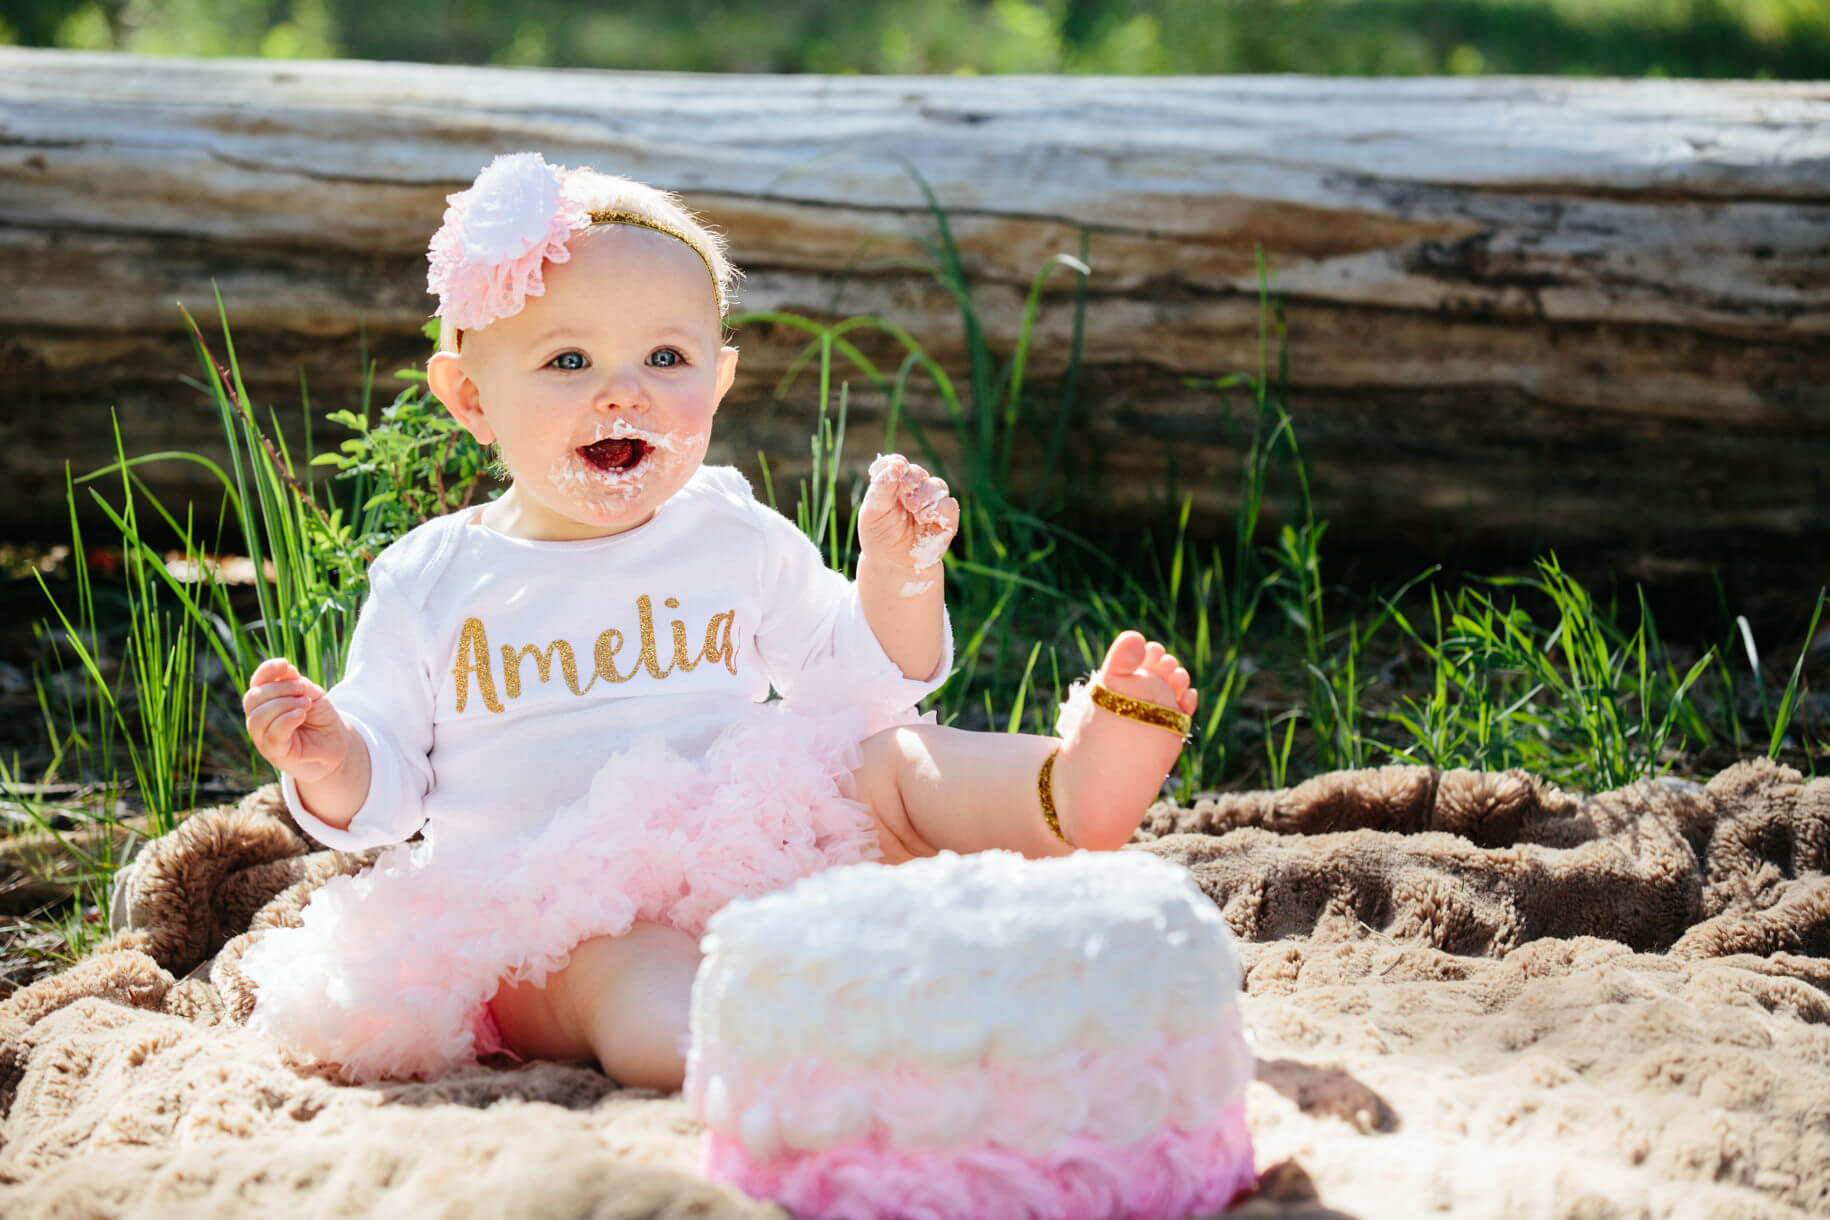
487,257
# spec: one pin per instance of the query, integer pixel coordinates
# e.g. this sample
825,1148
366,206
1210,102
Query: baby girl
567,686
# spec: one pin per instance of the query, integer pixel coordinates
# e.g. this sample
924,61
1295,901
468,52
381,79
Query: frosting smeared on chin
597,490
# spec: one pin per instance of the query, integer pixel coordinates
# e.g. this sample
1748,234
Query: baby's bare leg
936,788
622,1000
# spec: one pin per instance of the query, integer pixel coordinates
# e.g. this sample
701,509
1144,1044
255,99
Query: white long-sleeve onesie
492,676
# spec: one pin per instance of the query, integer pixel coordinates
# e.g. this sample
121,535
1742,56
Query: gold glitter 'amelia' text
476,662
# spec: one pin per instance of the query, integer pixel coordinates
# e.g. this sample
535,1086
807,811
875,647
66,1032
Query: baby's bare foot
1112,767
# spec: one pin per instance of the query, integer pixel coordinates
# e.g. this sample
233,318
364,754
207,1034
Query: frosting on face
596,489
678,441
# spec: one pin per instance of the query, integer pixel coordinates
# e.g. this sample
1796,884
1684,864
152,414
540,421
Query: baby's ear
727,370
453,387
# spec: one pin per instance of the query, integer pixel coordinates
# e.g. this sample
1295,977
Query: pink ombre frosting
486,259
975,1036
1170,1174
1124,1093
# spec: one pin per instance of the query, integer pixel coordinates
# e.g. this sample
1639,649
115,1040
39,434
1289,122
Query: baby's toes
1125,655
1161,664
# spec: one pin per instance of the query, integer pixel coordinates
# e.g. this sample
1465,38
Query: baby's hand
907,518
293,723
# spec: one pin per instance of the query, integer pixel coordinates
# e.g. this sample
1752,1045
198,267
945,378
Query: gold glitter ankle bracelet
1045,788
1173,719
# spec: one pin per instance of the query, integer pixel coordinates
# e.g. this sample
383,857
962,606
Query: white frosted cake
975,1036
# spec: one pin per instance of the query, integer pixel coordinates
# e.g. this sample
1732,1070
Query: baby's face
601,392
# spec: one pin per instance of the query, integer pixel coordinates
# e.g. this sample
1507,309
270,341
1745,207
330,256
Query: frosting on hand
893,479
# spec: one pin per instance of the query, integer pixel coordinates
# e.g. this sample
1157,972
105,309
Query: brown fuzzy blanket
1471,994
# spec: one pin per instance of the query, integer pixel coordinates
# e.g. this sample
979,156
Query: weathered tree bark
1520,313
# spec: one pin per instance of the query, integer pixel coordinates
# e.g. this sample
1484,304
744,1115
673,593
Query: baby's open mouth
615,454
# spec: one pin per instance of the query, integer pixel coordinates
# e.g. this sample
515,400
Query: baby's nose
620,389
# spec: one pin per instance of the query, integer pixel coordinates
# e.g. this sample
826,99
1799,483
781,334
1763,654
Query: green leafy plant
1574,698
414,463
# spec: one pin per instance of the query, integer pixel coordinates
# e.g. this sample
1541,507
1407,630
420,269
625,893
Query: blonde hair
612,200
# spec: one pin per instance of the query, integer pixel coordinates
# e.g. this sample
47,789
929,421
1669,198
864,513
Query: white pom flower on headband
486,257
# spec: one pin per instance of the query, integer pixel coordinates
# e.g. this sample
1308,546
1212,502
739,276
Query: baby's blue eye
665,357
571,362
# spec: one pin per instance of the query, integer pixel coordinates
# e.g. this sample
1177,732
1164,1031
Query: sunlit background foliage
1781,39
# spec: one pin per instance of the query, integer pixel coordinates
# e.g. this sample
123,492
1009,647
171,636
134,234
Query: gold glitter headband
608,217
661,226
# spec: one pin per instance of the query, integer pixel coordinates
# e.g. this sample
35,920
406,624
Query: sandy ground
1470,996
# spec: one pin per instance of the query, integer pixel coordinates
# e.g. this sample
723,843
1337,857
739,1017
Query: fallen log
1521,313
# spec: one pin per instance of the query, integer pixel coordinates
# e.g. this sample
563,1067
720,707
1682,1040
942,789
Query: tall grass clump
1566,693
1295,676
1778,719
193,637
1036,603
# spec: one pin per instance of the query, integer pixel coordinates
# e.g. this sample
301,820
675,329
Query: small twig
291,480
438,471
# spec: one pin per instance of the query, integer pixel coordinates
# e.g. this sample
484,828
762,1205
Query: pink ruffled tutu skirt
389,972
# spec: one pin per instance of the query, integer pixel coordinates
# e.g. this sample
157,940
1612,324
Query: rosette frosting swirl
975,1035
